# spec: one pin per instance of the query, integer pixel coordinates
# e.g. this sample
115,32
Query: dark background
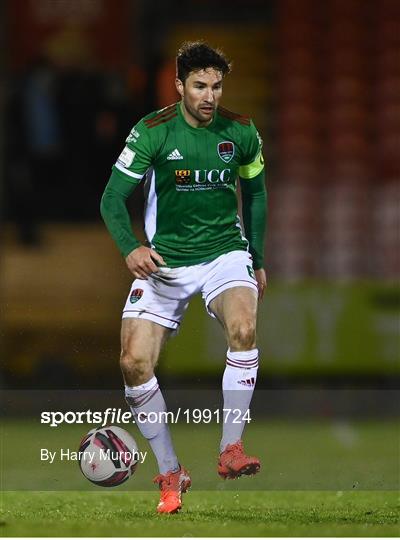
321,81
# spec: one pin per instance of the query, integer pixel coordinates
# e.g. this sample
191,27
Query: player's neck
191,120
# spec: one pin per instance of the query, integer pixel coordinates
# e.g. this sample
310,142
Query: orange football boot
233,462
172,485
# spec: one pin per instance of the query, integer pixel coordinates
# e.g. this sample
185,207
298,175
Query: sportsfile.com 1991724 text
118,416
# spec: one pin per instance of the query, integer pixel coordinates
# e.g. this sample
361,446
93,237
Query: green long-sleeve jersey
191,212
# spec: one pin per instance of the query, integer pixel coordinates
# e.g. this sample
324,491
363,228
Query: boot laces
168,481
236,448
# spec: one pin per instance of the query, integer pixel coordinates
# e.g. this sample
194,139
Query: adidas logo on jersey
175,154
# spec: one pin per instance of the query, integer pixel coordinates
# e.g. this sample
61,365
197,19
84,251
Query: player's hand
261,282
143,261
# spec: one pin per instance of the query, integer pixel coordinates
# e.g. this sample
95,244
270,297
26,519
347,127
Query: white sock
148,398
238,384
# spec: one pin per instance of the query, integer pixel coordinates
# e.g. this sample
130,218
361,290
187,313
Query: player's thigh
142,340
236,309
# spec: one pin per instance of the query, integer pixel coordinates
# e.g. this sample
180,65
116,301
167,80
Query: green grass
204,514
318,478
295,455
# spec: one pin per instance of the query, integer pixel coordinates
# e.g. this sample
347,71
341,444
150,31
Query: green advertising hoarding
303,329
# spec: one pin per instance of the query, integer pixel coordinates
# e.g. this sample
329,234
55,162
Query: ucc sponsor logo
213,176
186,177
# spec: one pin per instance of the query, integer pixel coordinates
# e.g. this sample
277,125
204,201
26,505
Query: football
108,456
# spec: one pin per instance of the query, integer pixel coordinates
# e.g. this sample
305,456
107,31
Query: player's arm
254,207
254,211
127,173
141,260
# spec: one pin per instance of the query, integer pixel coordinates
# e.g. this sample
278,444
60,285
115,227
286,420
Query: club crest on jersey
226,151
136,295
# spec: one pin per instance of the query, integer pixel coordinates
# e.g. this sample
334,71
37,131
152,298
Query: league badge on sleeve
226,151
126,157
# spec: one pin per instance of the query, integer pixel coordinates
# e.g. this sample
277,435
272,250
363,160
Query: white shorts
164,296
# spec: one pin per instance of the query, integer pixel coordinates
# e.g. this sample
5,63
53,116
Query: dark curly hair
196,55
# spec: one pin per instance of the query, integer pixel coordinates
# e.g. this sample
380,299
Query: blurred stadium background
322,83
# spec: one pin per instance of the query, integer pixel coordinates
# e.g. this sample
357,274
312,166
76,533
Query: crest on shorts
136,295
226,151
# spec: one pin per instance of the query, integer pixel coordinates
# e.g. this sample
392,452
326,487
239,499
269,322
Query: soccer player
191,155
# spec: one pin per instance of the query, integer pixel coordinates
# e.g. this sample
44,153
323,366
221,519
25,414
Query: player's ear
179,86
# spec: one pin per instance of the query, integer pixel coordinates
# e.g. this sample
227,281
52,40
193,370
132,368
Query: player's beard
202,117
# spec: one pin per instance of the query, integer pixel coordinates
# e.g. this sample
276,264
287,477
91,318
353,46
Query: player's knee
135,367
242,335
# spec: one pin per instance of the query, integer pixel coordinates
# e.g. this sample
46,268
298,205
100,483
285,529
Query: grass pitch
317,479
205,513
295,456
